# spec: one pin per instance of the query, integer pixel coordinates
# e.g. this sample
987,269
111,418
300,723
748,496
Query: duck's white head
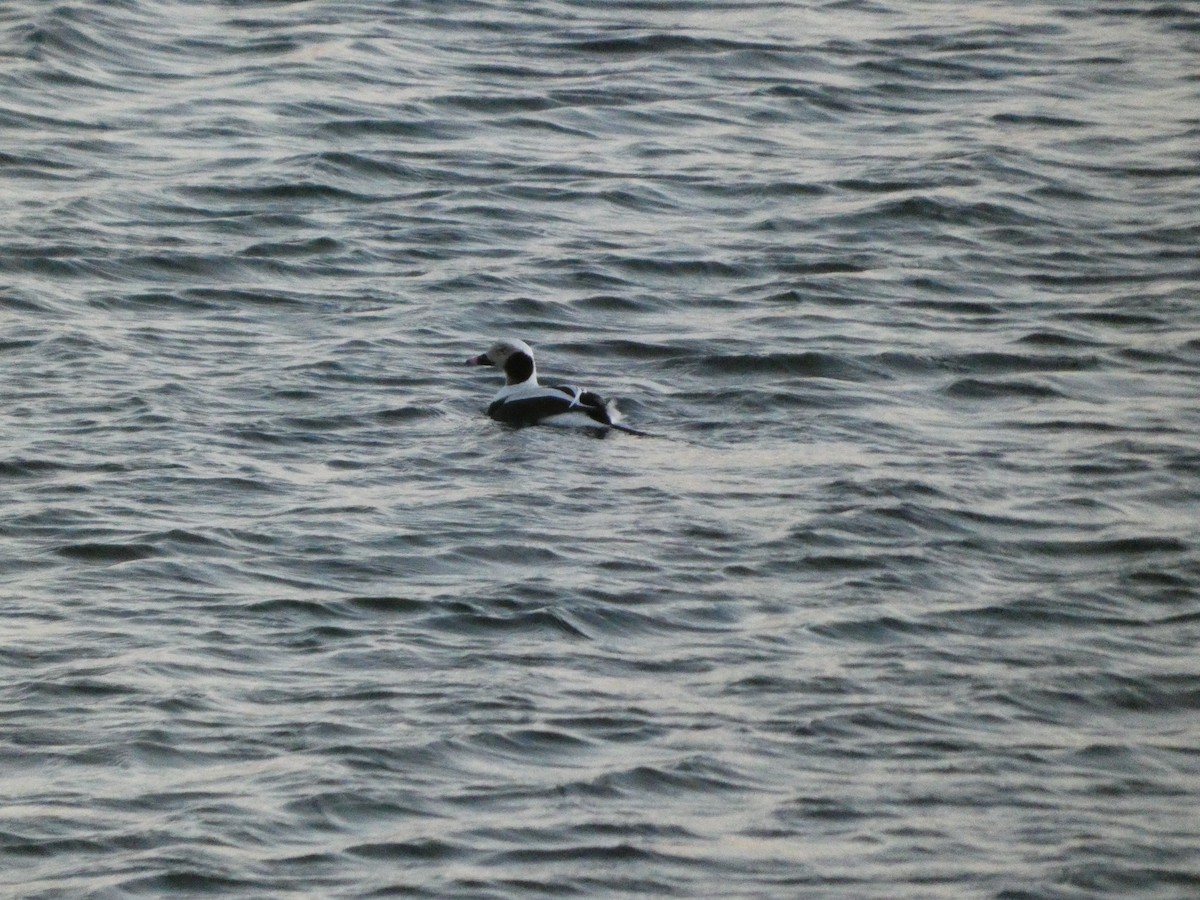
513,356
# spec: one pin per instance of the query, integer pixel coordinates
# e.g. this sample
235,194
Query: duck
524,401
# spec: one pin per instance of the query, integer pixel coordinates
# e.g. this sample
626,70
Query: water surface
901,600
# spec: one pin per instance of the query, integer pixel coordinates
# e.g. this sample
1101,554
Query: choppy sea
901,597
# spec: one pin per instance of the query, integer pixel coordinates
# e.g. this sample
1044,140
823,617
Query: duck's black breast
531,409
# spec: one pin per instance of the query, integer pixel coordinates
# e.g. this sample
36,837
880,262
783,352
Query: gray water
901,598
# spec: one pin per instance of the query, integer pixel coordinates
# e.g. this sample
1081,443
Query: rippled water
902,598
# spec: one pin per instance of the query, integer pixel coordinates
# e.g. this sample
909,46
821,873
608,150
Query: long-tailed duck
522,401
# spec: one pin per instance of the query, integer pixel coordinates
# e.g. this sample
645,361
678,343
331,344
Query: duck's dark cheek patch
518,367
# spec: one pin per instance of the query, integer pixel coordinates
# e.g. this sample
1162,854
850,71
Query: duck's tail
625,428
606,413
